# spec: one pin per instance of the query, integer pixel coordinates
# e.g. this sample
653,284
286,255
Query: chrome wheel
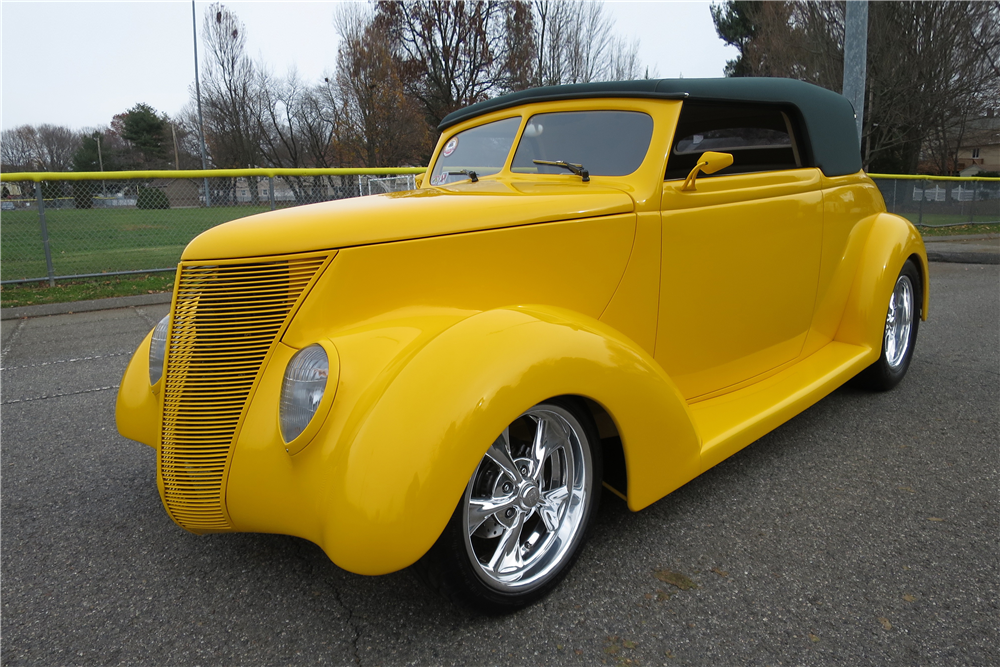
900,335
898,322
526,505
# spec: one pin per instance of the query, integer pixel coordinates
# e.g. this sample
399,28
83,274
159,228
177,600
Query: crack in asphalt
65,361
13,337
146,318
69,393
350,622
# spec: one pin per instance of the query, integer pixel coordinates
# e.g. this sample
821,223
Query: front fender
399,478
137,408
891,241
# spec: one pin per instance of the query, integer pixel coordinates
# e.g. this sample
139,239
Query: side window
760,138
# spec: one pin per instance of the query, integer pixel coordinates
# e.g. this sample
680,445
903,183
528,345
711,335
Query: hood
398,216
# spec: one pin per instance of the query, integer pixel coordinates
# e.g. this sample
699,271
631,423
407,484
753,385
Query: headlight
302,390
158,350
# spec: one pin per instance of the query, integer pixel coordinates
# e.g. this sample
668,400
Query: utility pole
177,159
197,90
856,58
100,161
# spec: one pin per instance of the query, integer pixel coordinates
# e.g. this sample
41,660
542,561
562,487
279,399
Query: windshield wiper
575,168
473,176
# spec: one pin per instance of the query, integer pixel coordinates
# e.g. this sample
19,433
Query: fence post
270,190
975,195
45,233
920,206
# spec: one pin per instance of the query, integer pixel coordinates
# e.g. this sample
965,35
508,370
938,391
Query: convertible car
599,288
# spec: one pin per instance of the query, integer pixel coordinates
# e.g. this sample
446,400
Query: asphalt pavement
863,532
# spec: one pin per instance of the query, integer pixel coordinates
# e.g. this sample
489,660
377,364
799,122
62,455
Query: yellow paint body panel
698,320
137,409
741,259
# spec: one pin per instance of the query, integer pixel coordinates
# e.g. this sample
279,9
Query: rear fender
891,241
399,478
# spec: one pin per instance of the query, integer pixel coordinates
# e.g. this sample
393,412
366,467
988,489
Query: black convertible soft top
828,117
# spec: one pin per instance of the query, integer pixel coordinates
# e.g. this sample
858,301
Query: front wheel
524,514
900,337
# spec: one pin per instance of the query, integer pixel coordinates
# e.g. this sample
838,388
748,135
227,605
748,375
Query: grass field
104,240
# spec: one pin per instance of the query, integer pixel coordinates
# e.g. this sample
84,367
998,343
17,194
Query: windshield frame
663,112
439,154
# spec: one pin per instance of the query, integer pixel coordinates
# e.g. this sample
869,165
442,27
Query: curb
963,257
85,306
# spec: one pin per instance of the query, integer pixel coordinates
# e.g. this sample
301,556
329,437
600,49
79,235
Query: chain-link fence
60,229
941,202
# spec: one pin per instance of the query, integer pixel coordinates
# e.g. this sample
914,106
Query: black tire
537,501
900,334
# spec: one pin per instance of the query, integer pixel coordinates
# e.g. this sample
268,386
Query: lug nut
524,470
509,513
507,487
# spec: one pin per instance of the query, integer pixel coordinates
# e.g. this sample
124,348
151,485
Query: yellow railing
39,176
910,177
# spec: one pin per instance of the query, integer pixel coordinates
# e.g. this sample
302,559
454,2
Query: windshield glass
482,149
606,143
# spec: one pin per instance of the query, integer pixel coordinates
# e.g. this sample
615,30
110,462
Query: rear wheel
900,335
524,514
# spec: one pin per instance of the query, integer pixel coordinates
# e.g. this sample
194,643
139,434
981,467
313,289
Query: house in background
980,148
181,192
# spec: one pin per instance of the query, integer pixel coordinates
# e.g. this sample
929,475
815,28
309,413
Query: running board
730,422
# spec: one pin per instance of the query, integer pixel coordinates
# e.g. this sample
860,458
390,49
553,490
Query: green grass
32,294
104,240
950,218
991,228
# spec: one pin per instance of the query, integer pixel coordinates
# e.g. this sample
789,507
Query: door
741,253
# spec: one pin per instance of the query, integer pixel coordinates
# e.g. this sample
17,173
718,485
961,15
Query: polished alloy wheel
898,322
527,501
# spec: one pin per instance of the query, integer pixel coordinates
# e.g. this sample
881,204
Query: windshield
482,149
606,143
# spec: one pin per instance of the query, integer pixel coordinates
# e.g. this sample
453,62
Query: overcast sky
78,64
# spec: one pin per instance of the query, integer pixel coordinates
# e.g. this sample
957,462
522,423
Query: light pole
197,90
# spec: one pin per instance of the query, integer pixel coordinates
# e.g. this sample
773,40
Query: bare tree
280,111
520,46
231,93
376,123
575,43
450,52
43,148
56,145
17,149
623,61
588,40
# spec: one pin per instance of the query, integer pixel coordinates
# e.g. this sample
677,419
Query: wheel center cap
529,496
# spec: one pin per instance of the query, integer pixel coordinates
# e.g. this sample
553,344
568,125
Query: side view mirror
709,162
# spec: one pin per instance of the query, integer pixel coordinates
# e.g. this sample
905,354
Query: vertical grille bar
226,319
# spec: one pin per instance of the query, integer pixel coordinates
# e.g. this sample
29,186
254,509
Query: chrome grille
226,318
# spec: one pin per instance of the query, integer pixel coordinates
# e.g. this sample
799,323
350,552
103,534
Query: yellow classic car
596,288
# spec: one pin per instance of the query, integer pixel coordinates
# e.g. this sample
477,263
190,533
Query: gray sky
78,64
